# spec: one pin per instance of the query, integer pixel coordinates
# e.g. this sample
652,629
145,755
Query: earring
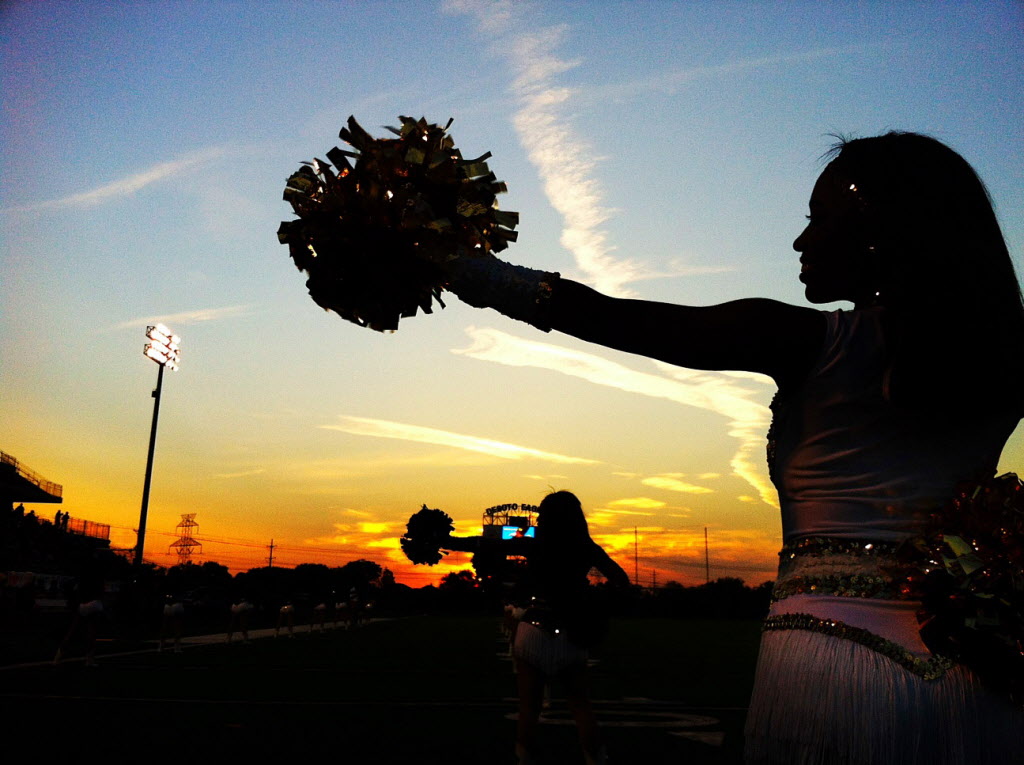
876,271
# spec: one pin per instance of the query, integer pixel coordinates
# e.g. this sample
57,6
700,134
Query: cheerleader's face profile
834,258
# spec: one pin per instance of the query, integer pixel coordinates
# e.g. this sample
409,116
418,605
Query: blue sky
664,150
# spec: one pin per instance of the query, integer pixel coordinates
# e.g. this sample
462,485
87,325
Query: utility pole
636,558
271,563
707,563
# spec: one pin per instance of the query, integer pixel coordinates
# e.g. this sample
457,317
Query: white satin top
848,464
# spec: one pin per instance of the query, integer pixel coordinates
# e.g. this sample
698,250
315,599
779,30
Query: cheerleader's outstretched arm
473,544
462,544
754,335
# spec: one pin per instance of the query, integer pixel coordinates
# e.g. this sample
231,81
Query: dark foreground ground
414,690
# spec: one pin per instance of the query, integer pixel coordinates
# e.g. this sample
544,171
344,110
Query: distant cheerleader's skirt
843,677
551,653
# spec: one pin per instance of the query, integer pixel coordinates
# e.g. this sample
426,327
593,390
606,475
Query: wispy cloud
757,377
671,483
241,474
563,159
722,394
749,422
198,316
126,186
325,476
363,426
358,513
669,81
354,538
644,503
378,527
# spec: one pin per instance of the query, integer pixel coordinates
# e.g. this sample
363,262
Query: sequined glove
516,291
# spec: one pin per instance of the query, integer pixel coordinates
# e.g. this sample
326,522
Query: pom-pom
425,534
374,233
968,569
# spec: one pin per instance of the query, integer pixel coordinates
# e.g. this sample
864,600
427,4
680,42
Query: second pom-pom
425,535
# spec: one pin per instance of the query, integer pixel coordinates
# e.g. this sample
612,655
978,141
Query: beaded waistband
842,567
931,668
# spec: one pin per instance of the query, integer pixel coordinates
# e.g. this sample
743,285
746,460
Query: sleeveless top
848,464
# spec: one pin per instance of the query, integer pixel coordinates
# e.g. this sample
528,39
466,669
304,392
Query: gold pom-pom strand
374,232
967,567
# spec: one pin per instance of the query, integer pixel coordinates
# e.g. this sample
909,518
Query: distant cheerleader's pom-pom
425,534
373,234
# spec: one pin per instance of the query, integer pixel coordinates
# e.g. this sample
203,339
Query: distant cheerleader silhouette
553,635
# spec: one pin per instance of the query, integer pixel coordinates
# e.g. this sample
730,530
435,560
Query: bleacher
19,484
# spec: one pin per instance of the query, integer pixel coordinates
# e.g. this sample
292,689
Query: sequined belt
854,569
931,668
841,567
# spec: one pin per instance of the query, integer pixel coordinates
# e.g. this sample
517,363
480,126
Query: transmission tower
187,543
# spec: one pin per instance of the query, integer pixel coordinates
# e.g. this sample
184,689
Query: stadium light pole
163,349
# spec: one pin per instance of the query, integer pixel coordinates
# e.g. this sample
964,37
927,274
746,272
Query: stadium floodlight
163,349
162,346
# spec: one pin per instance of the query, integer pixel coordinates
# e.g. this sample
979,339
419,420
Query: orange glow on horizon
658,555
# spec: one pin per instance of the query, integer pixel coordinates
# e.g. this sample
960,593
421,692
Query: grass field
416,690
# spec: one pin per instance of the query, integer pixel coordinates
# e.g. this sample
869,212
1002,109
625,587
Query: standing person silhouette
553,637
880,411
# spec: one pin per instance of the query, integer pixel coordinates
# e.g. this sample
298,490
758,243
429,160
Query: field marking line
152,645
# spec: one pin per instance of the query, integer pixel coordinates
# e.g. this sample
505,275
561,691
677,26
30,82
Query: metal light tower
163,349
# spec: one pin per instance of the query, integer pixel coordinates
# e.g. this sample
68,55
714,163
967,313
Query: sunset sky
661,150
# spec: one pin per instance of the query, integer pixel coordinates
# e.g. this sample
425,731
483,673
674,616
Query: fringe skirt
551,654
824,700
